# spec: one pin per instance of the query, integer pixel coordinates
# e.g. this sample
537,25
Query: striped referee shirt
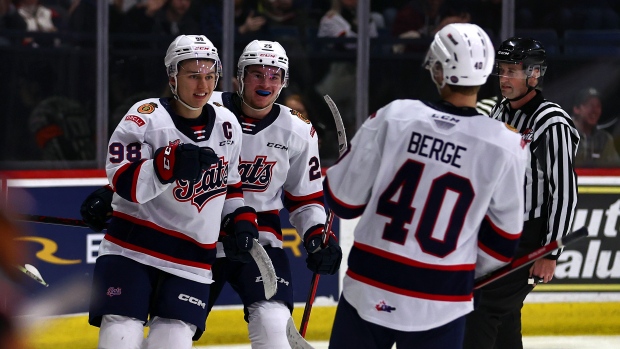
550,179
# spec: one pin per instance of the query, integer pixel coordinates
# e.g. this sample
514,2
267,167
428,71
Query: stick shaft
71,222
530,257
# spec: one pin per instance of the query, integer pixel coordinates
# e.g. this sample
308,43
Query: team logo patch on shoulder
511,128
147,108
135,118
299,115
217,104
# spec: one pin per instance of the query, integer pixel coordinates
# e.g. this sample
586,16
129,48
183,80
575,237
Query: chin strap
173,88
185,104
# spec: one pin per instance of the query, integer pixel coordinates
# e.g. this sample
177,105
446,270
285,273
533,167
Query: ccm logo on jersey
277,146
135,118
192,300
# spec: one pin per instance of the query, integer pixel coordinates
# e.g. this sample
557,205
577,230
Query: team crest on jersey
135,118
211,185
526,137
147,108
382,306
299,115
256,175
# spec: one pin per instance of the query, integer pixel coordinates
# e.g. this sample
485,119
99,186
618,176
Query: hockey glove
182,161
324,260
240,229
97,208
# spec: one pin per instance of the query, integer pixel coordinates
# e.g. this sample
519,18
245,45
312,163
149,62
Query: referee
550,190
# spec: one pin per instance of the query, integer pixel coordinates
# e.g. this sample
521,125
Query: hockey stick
342,147
530,257
33,272
258,253
70,222
295,340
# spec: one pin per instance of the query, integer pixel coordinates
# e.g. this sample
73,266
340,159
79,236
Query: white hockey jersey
279,156
173,227
440,194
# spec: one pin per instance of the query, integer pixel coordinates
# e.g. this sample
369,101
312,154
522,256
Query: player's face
512,79
196,81
590,111
261,85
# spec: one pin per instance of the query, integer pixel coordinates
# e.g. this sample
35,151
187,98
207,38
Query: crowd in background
52,105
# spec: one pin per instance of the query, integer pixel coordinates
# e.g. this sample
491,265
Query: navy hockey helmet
526,51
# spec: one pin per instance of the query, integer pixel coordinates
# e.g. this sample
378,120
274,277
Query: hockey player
550,190
439,188
279,156
172,163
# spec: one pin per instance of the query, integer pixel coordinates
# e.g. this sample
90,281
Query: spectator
62,127
249,25
163,17
296,102
424,18
279,12
596,147
341,22
31,16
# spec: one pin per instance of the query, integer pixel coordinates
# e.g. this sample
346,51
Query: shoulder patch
147,108
217,104
135,118
299,115
511,128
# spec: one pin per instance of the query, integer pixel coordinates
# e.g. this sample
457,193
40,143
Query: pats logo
114,291
211,185
256,175
382,306
135,118
147,108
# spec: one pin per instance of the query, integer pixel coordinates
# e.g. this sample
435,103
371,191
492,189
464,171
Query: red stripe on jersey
293,203
408,293
154,226
411,262
155,254
337,201
234,191
502,232
493,253
270,230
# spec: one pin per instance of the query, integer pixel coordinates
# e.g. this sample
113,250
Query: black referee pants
496,321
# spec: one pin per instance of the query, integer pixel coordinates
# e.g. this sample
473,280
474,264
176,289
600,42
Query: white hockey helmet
259,52
465,53
190,47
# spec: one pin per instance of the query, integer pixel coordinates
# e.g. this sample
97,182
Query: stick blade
342,135
265,266
295,340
